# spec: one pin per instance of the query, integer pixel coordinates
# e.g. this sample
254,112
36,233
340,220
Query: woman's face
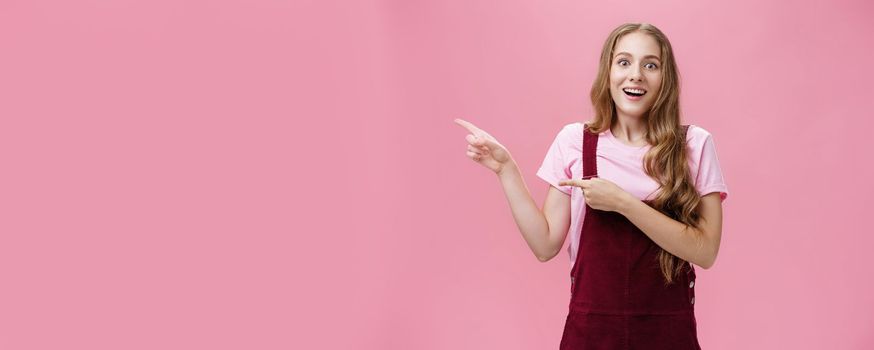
636,64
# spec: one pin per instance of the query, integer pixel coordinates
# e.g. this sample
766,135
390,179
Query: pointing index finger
569,182
581,183
467,125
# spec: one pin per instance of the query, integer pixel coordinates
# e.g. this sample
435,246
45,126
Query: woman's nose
635,74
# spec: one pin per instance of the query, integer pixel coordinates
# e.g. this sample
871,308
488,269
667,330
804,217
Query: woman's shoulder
570,137
697,135
573,127
571,131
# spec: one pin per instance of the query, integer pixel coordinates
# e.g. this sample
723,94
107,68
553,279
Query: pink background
286,175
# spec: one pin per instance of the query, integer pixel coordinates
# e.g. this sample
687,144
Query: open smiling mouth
634,92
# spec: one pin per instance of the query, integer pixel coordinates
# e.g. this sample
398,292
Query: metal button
691,284
693,300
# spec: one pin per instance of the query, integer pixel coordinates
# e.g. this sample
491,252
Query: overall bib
619,299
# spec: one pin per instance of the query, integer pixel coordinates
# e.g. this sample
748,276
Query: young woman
640,194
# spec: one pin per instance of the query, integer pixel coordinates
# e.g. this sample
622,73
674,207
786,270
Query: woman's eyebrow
644,57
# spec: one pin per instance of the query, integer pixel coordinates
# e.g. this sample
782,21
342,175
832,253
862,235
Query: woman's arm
699,248
544,230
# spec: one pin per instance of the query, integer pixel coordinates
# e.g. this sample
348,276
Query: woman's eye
624,62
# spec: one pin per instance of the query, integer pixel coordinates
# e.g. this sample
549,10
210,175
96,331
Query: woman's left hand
600,194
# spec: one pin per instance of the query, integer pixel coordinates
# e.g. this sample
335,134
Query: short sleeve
709,178
556,164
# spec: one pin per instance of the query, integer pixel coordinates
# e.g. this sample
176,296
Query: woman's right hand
485,149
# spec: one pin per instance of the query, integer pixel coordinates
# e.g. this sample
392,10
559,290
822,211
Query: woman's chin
636,112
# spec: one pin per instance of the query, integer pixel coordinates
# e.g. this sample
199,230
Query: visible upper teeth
634,91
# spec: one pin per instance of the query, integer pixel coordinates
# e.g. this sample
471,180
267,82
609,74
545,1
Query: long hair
666,161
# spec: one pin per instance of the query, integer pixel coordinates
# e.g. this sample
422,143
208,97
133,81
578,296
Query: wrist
625,203
508,168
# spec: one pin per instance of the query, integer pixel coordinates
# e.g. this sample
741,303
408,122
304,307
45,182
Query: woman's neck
630,130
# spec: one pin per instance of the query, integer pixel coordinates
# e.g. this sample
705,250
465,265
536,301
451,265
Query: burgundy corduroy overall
618,295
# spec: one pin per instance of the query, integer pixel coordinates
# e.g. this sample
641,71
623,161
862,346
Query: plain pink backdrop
286,175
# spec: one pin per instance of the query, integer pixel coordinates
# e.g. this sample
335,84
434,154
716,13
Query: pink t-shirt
623,165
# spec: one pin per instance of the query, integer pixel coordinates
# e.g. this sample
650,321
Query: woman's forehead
637,45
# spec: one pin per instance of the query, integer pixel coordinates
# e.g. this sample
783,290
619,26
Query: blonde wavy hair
666,161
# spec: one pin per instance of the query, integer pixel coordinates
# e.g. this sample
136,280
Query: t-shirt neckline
609,135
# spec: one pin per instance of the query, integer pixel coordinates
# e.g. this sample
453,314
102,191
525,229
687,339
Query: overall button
691,284
693,300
